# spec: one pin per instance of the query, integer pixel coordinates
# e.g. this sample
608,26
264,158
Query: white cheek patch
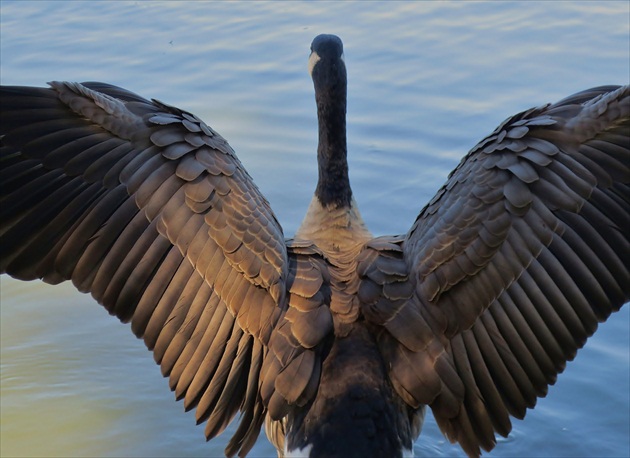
312,60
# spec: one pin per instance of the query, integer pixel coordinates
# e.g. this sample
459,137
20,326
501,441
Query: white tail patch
306,452
298,453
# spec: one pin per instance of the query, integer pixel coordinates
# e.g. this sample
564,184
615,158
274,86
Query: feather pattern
518,286
140,203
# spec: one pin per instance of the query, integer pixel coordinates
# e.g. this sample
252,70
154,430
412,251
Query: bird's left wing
150,210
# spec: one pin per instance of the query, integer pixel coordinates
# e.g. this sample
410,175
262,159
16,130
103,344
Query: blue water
427,81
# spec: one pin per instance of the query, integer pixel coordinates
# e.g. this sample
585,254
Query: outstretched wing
149,209
512,265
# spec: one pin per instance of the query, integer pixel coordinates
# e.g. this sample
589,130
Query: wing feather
513,264
149,209
194,306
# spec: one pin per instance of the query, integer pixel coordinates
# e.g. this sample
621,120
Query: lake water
426,82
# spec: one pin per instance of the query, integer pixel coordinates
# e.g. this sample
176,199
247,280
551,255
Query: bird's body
334,230
334,339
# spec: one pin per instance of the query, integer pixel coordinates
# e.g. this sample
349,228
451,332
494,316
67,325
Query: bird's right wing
510,267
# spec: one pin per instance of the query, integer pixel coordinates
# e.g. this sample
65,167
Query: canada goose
335,339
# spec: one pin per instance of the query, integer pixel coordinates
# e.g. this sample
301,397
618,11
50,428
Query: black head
327,46
326,63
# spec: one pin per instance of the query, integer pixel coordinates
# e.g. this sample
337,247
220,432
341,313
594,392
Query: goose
335,340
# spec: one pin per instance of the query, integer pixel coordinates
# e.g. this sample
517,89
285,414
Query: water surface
426,82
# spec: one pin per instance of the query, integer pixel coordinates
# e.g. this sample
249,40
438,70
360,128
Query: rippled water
427,81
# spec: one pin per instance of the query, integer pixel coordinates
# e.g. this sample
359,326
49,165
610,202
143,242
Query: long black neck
333,187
